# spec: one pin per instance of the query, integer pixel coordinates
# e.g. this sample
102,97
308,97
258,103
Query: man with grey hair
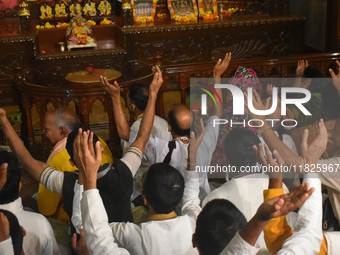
58,123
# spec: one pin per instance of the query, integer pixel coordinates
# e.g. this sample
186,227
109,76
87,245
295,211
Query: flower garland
183,18
144,19
208,15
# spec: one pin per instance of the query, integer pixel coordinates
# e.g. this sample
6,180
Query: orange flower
43,52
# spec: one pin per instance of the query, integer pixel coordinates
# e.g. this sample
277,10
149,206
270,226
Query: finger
74,241
98,157
261,156
3,175
84,143
331,72
269,156
257,96
257,153
101,79
338,62
278,157
200,137
304,144
91,149
81,232
116,85
76,145
267,102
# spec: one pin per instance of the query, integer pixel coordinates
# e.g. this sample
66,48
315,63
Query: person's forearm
274,143
252,230
147,122
34,167
122,125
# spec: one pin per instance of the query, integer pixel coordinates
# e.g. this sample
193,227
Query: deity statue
78,31
90,9
75,9
46,11
104,8
60,10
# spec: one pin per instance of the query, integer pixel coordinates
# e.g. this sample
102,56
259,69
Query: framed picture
208,9
144,10
183,10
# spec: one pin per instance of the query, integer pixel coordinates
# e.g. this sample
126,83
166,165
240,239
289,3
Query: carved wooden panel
202,42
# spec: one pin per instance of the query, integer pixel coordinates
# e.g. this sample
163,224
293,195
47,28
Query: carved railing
176,77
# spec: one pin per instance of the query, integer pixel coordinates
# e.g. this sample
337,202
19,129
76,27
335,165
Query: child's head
216,225
163,187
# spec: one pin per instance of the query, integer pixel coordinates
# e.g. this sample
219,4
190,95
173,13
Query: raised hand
87,163
221,66
193,146
336,77
258,104
312,152
157,80
302,65
282,205
113,89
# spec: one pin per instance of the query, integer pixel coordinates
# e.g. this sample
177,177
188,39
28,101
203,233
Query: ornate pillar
24,13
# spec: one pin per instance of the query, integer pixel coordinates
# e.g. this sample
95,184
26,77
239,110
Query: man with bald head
181,120
58,123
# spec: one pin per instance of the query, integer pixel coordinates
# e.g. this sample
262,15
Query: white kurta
156,150
39,237
171,236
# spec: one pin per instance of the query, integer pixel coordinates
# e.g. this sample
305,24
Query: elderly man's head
181,120
59,123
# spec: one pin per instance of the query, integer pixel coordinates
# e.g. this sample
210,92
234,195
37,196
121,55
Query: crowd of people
154,200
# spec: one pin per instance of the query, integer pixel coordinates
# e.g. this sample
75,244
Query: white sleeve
52,179
307,235
132,159
98,234
238,246
76,218
190,199
6,247
331,177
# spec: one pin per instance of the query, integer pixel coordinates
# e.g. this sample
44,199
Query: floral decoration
183,18
105,22
144,19
89,69
208,15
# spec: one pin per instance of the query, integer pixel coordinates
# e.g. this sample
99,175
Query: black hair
238,147
216,225
163,187
70,141
15,231
139,95
314,75
176,128
10,191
